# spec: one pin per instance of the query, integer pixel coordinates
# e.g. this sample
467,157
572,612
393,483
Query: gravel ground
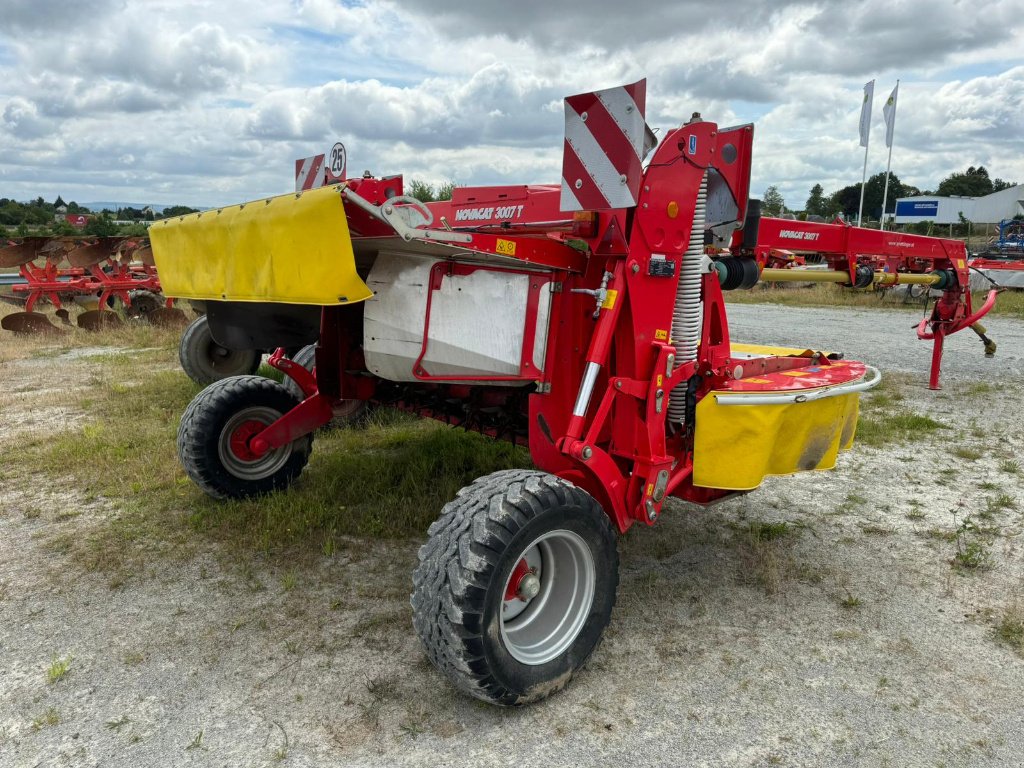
847,640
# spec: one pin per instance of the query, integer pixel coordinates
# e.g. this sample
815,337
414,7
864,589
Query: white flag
889,112
865,112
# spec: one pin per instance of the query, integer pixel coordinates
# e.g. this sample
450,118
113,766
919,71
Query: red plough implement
585,319
105,267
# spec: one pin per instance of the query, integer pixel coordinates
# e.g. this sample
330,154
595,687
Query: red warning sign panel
309,173
606,140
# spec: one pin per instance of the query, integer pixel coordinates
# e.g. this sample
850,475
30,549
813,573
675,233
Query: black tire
234,408
143,303
346,412
205,361
468,564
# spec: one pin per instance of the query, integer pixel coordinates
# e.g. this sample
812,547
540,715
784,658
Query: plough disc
98,319
28,323
167,316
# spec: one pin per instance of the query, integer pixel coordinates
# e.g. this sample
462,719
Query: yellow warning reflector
737,446
609,299
292,249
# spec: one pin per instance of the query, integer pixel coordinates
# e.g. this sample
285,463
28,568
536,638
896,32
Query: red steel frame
845,248
107,276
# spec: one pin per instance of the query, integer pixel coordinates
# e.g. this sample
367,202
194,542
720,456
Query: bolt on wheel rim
239,463
540,628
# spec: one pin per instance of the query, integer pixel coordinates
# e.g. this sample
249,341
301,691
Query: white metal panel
476,320
540,340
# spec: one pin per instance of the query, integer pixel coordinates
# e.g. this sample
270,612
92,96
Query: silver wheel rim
539,629
257,469
224,362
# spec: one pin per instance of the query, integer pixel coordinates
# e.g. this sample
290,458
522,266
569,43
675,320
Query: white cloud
209,101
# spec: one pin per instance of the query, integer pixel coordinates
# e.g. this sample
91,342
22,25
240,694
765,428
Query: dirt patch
823,619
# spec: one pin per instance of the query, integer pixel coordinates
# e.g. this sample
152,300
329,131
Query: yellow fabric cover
738,445
292,249
764,351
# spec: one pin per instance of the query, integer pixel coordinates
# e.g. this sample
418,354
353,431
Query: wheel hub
529,587
241,438
547,597
238,453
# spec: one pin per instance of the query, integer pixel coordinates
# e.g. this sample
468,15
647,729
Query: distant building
990,209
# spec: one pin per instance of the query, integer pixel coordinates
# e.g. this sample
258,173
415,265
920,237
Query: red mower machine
586,319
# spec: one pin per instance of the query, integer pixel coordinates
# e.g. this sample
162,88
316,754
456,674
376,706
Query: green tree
138,229
59,202
62,228
816,204
101,226
847,199
999,185
426,193
773,204
974,182
176,210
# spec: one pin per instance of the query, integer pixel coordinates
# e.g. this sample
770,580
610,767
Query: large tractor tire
214,436
515,586
205,361
346,412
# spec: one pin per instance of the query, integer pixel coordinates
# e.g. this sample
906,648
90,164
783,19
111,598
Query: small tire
214,432
205,361
504,522
143,303
346,412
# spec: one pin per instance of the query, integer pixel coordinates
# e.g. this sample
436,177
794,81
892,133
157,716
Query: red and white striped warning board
309,173
606,139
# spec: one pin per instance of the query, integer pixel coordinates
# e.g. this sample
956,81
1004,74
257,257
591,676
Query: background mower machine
586,319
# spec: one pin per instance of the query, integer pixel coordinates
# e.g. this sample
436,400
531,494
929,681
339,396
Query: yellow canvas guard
737,446
292,249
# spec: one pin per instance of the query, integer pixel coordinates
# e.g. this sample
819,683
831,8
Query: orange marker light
673,209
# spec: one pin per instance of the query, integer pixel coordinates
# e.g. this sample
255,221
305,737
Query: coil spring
686,314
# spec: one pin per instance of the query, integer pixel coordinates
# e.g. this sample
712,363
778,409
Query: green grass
387,478
1008,304
1010,630
49,718
883,429
884,417
58,669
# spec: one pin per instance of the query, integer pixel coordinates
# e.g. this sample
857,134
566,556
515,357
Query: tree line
974,182
40,217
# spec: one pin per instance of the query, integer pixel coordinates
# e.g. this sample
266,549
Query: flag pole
889,134
863,180
865,140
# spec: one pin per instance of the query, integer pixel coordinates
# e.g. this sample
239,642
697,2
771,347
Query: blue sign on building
917,208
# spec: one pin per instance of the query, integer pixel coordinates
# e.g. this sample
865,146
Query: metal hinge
556,286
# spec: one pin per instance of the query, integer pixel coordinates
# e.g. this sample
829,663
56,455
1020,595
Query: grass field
1008,304
386,477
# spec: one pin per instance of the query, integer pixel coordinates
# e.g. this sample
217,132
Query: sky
209,102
